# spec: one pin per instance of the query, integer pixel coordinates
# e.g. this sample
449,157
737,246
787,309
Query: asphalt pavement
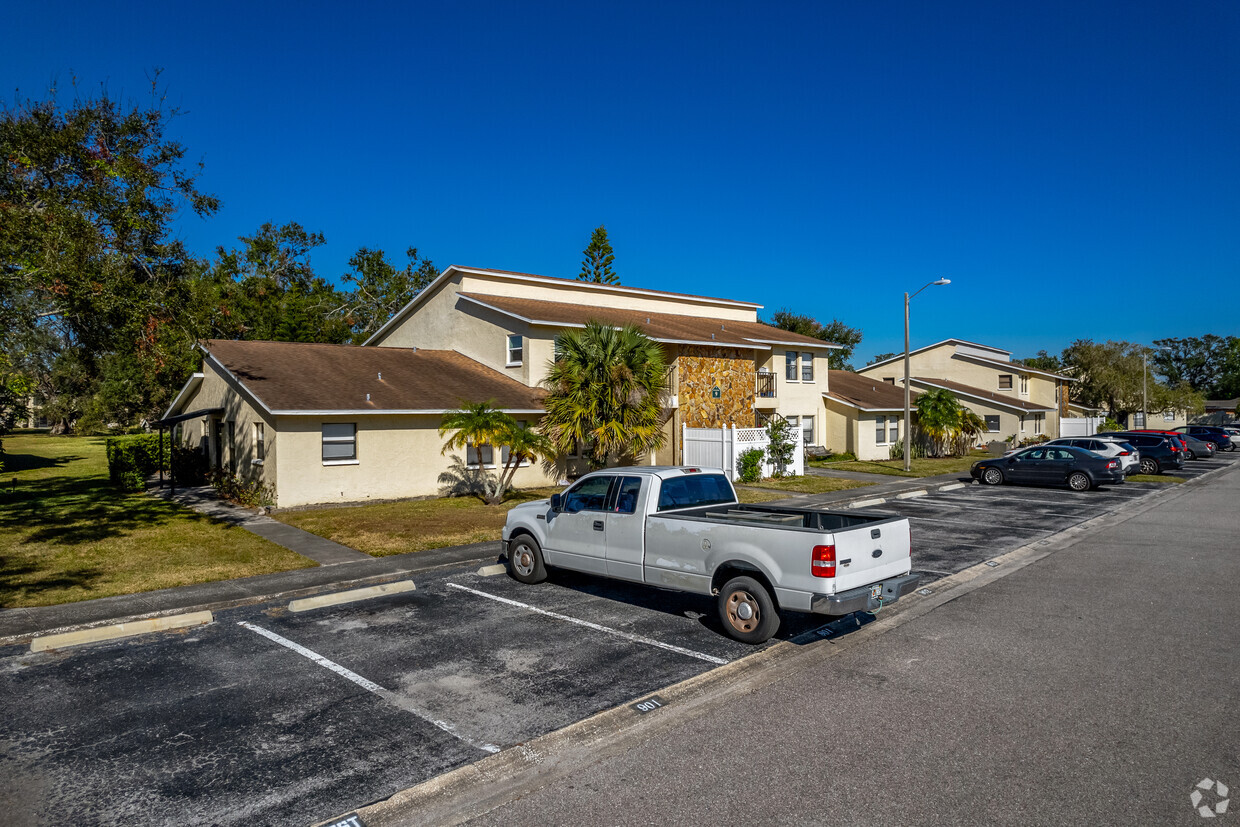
1097,685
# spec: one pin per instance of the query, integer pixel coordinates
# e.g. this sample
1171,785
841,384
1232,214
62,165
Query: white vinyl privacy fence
719,448
1080,425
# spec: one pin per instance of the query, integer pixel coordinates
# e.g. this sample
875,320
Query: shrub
243,492
131,459
1035,440
843,456
189,465
917,447
779,451
749,465
1109,425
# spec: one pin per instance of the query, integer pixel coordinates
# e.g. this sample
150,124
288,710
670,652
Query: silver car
1112,448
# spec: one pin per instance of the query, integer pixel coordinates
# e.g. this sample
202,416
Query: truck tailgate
868,554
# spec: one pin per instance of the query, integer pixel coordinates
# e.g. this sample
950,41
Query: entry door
577,535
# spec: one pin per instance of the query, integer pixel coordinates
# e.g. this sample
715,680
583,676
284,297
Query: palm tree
480,424
605,392
972,427
938,417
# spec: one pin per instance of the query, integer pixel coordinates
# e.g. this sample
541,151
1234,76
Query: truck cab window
626,497
588,495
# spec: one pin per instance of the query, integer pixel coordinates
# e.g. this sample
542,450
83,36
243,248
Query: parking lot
270,717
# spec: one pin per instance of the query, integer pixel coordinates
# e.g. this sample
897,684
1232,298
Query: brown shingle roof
298,377
865,392
663,327
982,394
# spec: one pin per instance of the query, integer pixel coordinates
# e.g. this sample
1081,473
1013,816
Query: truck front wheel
747,611
525,560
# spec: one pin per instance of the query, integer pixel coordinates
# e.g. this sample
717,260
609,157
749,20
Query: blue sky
1051,159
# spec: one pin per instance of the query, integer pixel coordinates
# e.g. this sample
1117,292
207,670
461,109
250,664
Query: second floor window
807,367
790,365
1005,381
516,350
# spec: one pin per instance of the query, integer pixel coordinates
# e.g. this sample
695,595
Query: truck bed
776,516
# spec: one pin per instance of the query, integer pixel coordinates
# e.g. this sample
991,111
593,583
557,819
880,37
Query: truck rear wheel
525,560
747,611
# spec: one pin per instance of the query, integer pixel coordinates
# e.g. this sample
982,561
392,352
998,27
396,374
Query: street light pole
1145,371
908,457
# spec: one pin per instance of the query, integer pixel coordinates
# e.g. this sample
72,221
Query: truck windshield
695,490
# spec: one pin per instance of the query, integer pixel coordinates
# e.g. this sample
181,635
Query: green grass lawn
411,525
808,484
66,534
895,467
417,525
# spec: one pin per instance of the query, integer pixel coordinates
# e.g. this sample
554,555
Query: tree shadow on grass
72,511
32,462
21,580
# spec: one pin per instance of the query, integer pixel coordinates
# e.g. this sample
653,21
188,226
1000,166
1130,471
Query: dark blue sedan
1076,468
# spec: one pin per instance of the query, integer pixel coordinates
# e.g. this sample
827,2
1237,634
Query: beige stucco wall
397,456
215,391
855,431
594,295
943,363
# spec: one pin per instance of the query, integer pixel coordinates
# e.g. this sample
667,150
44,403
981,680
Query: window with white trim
807,430
339,443
516,350
807,367
260,445
790,365
479,456
1139,419
880,430
992,423
1038,419
1005,381
1168,416
1022,423
893,430
1024,385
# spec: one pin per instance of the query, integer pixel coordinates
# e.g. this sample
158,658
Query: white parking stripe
596,627
387,695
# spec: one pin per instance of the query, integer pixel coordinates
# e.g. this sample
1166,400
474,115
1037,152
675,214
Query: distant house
864,415
1013,400
335,423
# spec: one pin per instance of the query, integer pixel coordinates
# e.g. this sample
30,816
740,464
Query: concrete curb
305,604
119,630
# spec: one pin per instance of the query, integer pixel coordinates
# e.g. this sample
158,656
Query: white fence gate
1080,425
719,448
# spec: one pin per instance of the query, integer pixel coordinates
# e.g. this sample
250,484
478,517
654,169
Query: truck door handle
598,525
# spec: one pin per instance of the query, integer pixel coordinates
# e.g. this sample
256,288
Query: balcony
671,389
766,392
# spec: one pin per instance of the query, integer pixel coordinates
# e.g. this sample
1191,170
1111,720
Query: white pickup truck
683,529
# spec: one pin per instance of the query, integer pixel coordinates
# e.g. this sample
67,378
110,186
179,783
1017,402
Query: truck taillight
823,561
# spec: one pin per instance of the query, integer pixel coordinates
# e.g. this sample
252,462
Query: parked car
1077,468
682,529
1209,433
1194,448
1129,457
1159,452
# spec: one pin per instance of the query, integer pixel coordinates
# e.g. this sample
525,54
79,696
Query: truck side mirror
556,503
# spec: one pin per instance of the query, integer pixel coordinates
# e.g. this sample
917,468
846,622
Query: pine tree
596,266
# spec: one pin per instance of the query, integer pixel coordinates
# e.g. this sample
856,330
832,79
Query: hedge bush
131,459
749,465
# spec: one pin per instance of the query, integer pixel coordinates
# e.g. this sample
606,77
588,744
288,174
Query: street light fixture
908,457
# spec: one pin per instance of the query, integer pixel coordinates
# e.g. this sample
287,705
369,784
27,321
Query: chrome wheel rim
523,560
992,476
1079,482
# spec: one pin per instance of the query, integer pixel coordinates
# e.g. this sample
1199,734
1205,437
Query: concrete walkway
203,499
860,476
